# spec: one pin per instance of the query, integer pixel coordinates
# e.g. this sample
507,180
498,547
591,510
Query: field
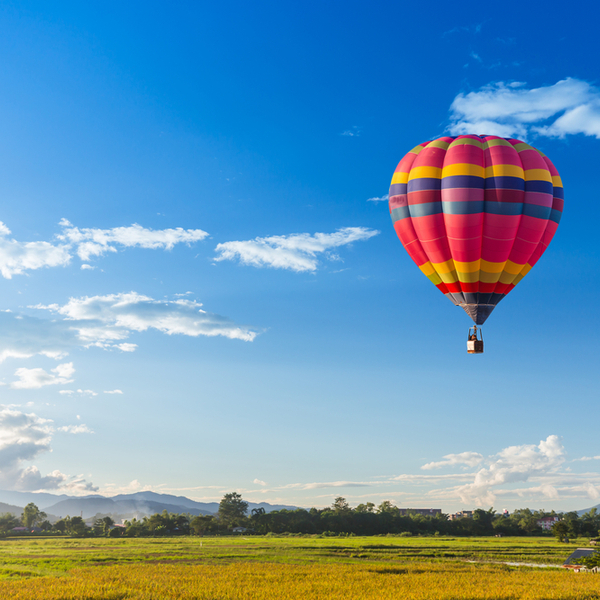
270,568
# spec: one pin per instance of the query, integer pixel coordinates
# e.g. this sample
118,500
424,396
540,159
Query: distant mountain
582,512
9,508
122,506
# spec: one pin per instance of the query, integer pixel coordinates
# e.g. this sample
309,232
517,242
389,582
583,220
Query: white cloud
75,429
354,131
383,198
570,106
91,242
259,482
113,392
296,252
513,464
470,459
87,267
37,378
100,320
106,322
23,436
325,484
79,392
17,257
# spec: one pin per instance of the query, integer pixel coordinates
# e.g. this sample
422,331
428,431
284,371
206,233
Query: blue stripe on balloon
559,193
545,187
555,215
504,183
537,211
399,213
463,208
503,208
398,189
426,209
423,184
462,181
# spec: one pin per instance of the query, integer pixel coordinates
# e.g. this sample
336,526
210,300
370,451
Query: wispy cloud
470,459
354,131
92,242
17,257
102,320
570,106
383,198
75,429
113,392
78,392
106,322
476,28
37,378
296,252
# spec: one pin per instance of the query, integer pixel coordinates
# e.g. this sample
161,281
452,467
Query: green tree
203,523
232,509
32,515
369,507
76,526
340,505
7,522
561,530
387,507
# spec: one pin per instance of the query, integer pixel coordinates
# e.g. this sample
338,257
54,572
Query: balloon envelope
475,213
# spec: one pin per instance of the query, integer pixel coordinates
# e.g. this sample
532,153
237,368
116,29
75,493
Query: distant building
546,523
239,530
578,555
426,512
461,514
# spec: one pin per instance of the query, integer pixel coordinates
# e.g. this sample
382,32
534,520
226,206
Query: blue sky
202,290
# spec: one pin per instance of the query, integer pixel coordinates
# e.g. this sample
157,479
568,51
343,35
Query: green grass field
288,567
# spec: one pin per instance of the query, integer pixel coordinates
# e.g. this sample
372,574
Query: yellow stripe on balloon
506,277
557,181
449,277
427,269
468,277
538,175
512,268
467,267
400,177
498,142
417,149
466,142
434,278
438,144
486,277
526,268
444,267
504,171
429,172
492,267
463,169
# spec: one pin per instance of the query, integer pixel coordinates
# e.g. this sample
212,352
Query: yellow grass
271,581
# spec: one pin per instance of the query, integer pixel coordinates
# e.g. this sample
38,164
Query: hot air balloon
475,213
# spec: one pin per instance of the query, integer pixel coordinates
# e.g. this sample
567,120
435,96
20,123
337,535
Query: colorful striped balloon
475,213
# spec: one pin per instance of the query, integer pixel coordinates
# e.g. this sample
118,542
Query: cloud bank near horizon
23,437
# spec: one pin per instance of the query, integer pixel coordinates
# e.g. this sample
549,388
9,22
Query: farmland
291,567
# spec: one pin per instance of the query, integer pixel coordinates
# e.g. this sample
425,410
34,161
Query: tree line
339,518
